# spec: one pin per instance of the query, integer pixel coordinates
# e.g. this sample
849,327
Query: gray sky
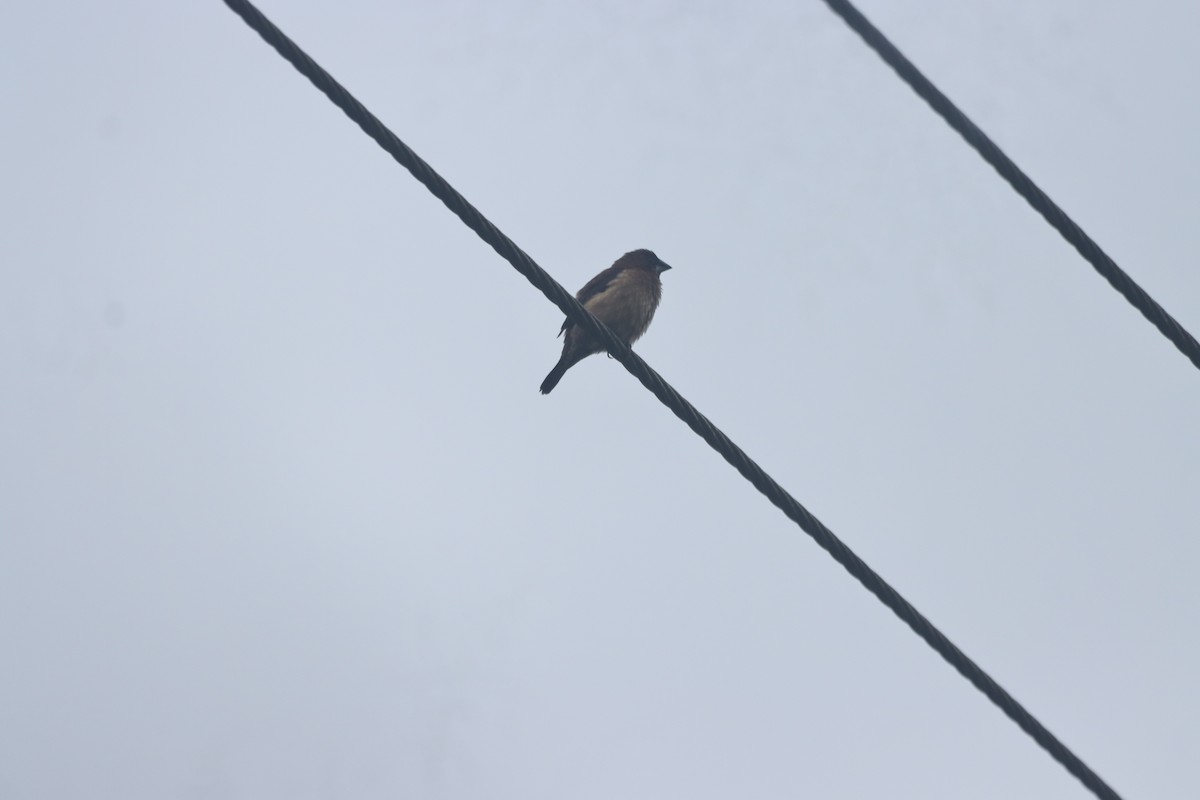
283,515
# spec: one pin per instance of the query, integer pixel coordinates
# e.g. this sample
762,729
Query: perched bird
623,297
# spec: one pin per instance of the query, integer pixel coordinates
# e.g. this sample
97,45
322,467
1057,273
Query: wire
1019,181
665,393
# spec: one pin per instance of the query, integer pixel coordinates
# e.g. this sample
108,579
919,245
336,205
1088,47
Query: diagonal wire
1024,186
669,397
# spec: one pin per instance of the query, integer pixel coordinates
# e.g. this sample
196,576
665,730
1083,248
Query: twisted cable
666,394
1022,183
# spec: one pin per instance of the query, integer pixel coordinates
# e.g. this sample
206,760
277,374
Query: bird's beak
663,266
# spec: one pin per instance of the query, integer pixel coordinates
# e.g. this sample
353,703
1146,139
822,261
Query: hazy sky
283,515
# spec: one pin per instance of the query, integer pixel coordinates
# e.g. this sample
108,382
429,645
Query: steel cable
1024,186
667,395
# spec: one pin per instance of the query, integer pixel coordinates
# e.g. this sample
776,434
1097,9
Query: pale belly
626,310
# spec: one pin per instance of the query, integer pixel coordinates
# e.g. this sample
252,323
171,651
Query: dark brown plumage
623,297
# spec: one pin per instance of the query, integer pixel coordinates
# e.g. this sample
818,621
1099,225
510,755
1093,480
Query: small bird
623,297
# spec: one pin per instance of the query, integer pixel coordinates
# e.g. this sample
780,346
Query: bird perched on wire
623,297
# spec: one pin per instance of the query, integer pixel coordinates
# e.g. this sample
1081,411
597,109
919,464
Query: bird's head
644,259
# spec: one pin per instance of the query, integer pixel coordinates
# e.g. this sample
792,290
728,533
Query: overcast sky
283,515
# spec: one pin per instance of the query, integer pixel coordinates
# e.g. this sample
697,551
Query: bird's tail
556,374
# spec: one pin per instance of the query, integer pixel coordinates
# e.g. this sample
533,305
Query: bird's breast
627,304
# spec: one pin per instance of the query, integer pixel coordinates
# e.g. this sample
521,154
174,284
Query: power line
667,395
1024,186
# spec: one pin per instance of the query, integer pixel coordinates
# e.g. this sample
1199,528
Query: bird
623,297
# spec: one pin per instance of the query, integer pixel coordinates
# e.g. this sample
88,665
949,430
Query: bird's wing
592,288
